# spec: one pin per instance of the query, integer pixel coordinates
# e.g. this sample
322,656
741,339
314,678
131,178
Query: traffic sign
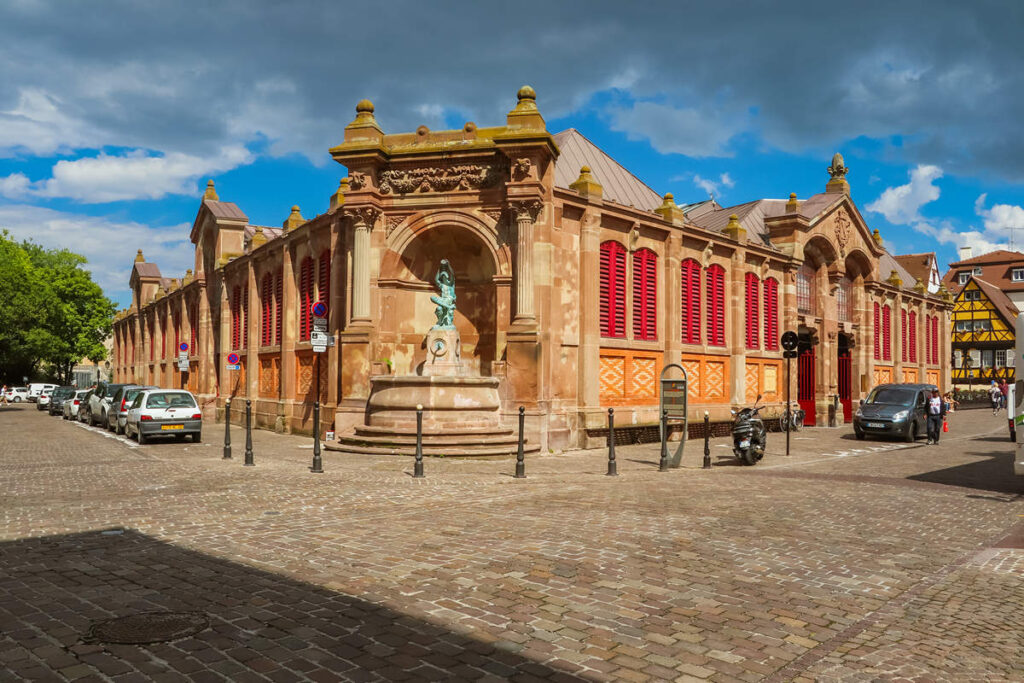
183,346
790,340
318,309
318,338
320,324
183,366
233,359
231,366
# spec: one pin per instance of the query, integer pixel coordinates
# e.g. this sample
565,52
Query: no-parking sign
318,309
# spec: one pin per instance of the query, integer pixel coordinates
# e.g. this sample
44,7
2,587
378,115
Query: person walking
3,396
936,414
1004,390
994,395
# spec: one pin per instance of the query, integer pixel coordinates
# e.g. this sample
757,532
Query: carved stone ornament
391,222
838,169
527,209
357,181
439,178
521,168
366,215
843,230
494,214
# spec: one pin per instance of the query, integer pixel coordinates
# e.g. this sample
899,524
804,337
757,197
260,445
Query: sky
114,114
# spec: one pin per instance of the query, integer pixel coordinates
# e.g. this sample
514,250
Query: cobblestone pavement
848,560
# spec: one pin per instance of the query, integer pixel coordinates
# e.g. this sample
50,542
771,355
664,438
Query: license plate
875,425
745,443
169,427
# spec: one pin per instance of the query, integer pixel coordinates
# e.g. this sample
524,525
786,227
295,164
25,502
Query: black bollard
417,472
520,455
227,429
318,463
707,439
612,469
248,434
663,463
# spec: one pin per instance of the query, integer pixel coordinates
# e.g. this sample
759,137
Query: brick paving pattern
848,560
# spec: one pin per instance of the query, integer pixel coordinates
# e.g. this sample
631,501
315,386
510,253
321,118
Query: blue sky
109,129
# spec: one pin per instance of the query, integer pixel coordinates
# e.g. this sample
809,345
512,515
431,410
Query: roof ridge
610,157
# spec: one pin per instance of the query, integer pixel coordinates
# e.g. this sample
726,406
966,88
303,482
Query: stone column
363,219
672,329
736,311
252,334
525,213
589,312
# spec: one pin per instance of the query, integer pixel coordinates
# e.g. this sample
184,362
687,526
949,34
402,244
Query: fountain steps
453,447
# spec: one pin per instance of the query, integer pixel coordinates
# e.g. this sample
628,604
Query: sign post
183,362
674,403
318,337
790,341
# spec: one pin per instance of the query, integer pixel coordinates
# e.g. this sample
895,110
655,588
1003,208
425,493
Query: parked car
43,400
71,406
894,410
57,398
83,410
17,394
164,412
35,389
117,415
99,403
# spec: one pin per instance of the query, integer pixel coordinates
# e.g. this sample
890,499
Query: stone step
369,430
456,439
428,451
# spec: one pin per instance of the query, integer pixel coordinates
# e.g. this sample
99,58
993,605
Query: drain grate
149,627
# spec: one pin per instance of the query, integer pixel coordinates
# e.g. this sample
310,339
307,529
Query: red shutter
878,333
645,295
935,339
235,301
193,322
278,301
903,335
690,314
886,333
927,337
752,311
771,314
913,337
324,277
243,337
305,297
266,310
716,305
613,290
152,326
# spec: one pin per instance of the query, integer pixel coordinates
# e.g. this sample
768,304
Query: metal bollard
248,434
663,463
520,455
227,429
417,472
318,463
612,468
707,439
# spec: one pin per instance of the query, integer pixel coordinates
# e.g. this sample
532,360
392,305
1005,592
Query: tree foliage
52,315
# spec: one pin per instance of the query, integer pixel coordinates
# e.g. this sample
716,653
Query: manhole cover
149,627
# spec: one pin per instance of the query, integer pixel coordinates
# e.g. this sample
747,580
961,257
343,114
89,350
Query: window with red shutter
278,301
236,304
193,322
176,322
645,294
305,297
752,311
690,314
886,333
771,314
243,342
266,309
613,290
152,338
912,329
878,332
324,277
715,278
903,335
935,339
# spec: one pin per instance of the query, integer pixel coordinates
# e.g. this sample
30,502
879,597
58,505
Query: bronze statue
445,311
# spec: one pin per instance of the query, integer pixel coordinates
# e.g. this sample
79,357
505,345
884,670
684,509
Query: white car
17,394
164,412
44,399
34,390
72,404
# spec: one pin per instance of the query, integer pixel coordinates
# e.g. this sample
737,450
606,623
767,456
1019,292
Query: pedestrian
3,396
951,403
1004,389
936,415
994,396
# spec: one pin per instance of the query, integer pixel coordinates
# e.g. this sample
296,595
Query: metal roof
618,185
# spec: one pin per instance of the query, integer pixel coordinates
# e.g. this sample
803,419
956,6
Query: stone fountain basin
449,402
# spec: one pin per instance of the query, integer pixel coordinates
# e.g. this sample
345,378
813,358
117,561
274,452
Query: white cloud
711,187
135,175
688,131
981,242
727,180
1000,217
900,204
108,245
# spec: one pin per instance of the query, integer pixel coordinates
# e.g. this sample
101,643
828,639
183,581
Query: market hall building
576,284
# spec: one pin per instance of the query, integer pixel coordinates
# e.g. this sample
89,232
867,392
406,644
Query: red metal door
844,385
805,384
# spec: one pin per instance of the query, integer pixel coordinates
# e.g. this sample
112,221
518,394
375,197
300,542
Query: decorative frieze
439,178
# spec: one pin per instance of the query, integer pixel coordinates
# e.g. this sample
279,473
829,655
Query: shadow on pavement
990,472
262,625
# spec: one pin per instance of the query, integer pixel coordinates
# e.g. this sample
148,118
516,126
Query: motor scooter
749,436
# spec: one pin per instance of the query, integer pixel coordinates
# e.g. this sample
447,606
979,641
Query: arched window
886,333
771,314
805,290
843,299
613,290
645,295
752,288
267,310
715,279
690,302
305,297
912,329
878,331
903,335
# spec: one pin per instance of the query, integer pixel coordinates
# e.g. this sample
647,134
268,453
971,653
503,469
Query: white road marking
110,435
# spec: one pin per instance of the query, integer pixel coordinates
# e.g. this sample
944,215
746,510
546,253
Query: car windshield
170,401
893,396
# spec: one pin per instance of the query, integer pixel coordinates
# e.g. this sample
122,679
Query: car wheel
118,429
197,437
140,437
17,399
859,434
911,436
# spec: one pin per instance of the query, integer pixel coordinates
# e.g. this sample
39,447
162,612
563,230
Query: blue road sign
233,359
318,309
183,346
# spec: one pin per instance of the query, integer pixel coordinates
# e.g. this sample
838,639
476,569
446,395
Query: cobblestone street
847,561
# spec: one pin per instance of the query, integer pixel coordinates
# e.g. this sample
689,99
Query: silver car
164,412
72,404
117,416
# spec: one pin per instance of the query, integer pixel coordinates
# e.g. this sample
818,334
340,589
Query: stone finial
792,205
294,220
587,184
944,293
919,286
526,115
188,276
258,238
877,237
364,126
210,192
670,211
837,172
735,230
894,279
139,258
338,198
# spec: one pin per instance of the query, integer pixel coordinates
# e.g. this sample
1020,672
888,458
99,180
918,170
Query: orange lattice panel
714,380
644,382
612,376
